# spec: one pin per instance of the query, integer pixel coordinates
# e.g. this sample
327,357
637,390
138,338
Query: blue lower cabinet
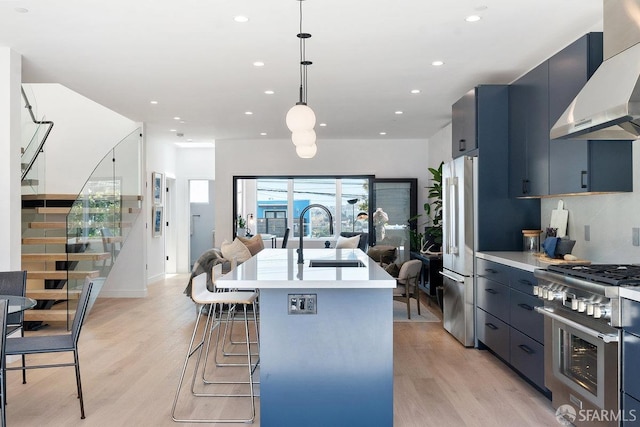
630,410
523,316
630,362
527,356
493,333
493,298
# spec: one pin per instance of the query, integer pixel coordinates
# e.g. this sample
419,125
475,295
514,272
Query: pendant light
300,118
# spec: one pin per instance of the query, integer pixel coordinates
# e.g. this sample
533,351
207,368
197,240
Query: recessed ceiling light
415,90
173,130
248,113
176,118
153,102
269,92
472,18
258,64
21,10
263,133
399,112
189,140
323,124
383,133
437,63
240,18
182,121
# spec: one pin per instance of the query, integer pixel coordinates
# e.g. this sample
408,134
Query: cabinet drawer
493,298
527,356
630,366
493,333
631,408
524,318
493,270
630,316
522,280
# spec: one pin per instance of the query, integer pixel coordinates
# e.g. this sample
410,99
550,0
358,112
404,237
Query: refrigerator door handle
453,215
449,276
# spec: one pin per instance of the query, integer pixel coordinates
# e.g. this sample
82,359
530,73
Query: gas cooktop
611,274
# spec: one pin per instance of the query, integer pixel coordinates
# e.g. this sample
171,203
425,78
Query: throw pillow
347,242
254,244
235,250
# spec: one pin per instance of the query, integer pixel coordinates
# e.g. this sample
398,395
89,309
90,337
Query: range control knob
552,295
601,311
590,308
536,290
582,305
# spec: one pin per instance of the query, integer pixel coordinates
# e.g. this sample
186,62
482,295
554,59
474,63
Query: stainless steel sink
336,263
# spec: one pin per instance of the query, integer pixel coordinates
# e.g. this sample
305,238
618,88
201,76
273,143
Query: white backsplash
611,218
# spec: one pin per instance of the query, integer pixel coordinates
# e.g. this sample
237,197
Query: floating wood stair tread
62,211
50,197
62,256
44,240
43,225
53,294
53,315
29,182
61,274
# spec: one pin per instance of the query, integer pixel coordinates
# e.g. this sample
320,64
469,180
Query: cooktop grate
612,274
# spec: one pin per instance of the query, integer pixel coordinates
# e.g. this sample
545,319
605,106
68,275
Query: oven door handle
607,338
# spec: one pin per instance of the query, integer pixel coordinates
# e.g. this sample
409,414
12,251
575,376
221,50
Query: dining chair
15,283
285,238
408,278
3,339
209,300
55,343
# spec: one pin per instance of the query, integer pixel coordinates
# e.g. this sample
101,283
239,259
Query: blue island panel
334,368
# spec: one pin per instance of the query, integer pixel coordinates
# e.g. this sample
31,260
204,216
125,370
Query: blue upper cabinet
539,166
579,166
529,134
464,139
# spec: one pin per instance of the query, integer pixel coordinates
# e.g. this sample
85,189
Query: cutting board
542,257
559,218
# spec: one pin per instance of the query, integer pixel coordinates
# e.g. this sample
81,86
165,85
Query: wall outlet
635,236
587,233
303,303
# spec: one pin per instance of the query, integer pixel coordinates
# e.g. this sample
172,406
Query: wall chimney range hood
608,106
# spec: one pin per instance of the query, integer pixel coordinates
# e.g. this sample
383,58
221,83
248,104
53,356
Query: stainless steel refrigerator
459,192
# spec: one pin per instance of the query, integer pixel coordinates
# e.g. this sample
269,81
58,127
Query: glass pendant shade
300,117
303,138
306,151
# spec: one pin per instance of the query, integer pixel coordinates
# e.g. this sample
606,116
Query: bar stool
206,298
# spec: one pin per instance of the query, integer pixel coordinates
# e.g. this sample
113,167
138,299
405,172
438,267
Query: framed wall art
156,222
156,178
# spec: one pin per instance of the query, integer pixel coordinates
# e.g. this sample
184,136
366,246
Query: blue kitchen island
326,337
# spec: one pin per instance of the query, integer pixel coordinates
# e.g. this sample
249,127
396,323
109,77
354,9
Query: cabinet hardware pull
490,270
491,291
583,176
525,282
526,349
462,144
525,306
491,326
525,186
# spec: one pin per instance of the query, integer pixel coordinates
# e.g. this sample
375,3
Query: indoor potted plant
241,226
431,239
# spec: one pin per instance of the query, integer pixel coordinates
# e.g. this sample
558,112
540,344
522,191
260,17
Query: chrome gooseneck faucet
301,229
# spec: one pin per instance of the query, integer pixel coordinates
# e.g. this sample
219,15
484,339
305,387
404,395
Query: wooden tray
545,259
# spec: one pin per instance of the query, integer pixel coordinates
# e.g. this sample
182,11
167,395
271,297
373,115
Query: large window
278,203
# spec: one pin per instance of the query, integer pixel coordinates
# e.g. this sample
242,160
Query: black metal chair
285,238
15,283
55,343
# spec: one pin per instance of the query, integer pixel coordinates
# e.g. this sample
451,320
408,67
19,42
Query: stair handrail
44,138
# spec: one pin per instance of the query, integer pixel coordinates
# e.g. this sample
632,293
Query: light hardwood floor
131,352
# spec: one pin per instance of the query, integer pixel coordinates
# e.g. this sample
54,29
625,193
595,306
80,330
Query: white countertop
521,260
278,268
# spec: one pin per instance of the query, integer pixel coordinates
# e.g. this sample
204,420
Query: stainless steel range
582,335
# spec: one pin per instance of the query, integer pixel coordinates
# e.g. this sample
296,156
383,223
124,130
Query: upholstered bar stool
206,298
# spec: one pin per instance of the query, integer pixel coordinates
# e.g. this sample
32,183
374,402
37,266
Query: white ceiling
191,57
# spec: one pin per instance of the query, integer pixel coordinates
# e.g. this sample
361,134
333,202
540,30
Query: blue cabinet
539,166
630,357
463,125
578,166
529,134
506,322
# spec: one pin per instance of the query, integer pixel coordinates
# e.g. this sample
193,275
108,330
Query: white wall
10,215
610,217
382,158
